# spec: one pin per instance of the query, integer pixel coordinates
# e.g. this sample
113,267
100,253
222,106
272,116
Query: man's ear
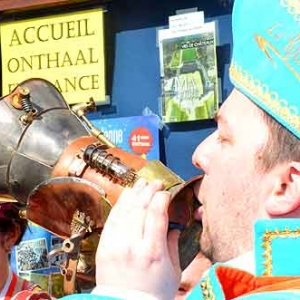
285,197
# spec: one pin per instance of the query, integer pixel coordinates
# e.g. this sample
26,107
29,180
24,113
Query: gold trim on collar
268,238
207,290
269,99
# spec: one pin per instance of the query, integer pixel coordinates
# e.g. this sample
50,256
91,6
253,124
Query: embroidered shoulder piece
277,244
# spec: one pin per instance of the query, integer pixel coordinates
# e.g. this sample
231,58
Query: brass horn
68,175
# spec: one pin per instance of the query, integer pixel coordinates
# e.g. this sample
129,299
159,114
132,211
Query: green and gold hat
265,63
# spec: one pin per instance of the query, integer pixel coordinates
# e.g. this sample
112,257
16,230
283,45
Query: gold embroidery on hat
207,290
292,7
292,48
268,48
268,238
270,99
275,31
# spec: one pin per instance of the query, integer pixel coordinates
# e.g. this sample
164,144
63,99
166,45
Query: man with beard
251,166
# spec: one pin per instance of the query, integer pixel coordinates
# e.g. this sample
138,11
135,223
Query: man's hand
136,251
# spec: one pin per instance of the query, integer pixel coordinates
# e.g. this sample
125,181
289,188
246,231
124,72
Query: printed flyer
189,77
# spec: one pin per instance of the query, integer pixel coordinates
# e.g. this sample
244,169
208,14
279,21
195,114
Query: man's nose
203,152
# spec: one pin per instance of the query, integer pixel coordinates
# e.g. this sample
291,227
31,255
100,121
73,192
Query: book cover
189,79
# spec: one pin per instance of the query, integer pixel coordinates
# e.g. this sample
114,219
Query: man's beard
208,250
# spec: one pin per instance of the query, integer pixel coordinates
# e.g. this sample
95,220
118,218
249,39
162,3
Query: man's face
234,187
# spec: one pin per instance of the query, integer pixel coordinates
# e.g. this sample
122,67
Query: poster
138,134
66,49
189,79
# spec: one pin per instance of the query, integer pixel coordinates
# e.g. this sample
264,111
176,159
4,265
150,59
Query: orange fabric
291,283
236,283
